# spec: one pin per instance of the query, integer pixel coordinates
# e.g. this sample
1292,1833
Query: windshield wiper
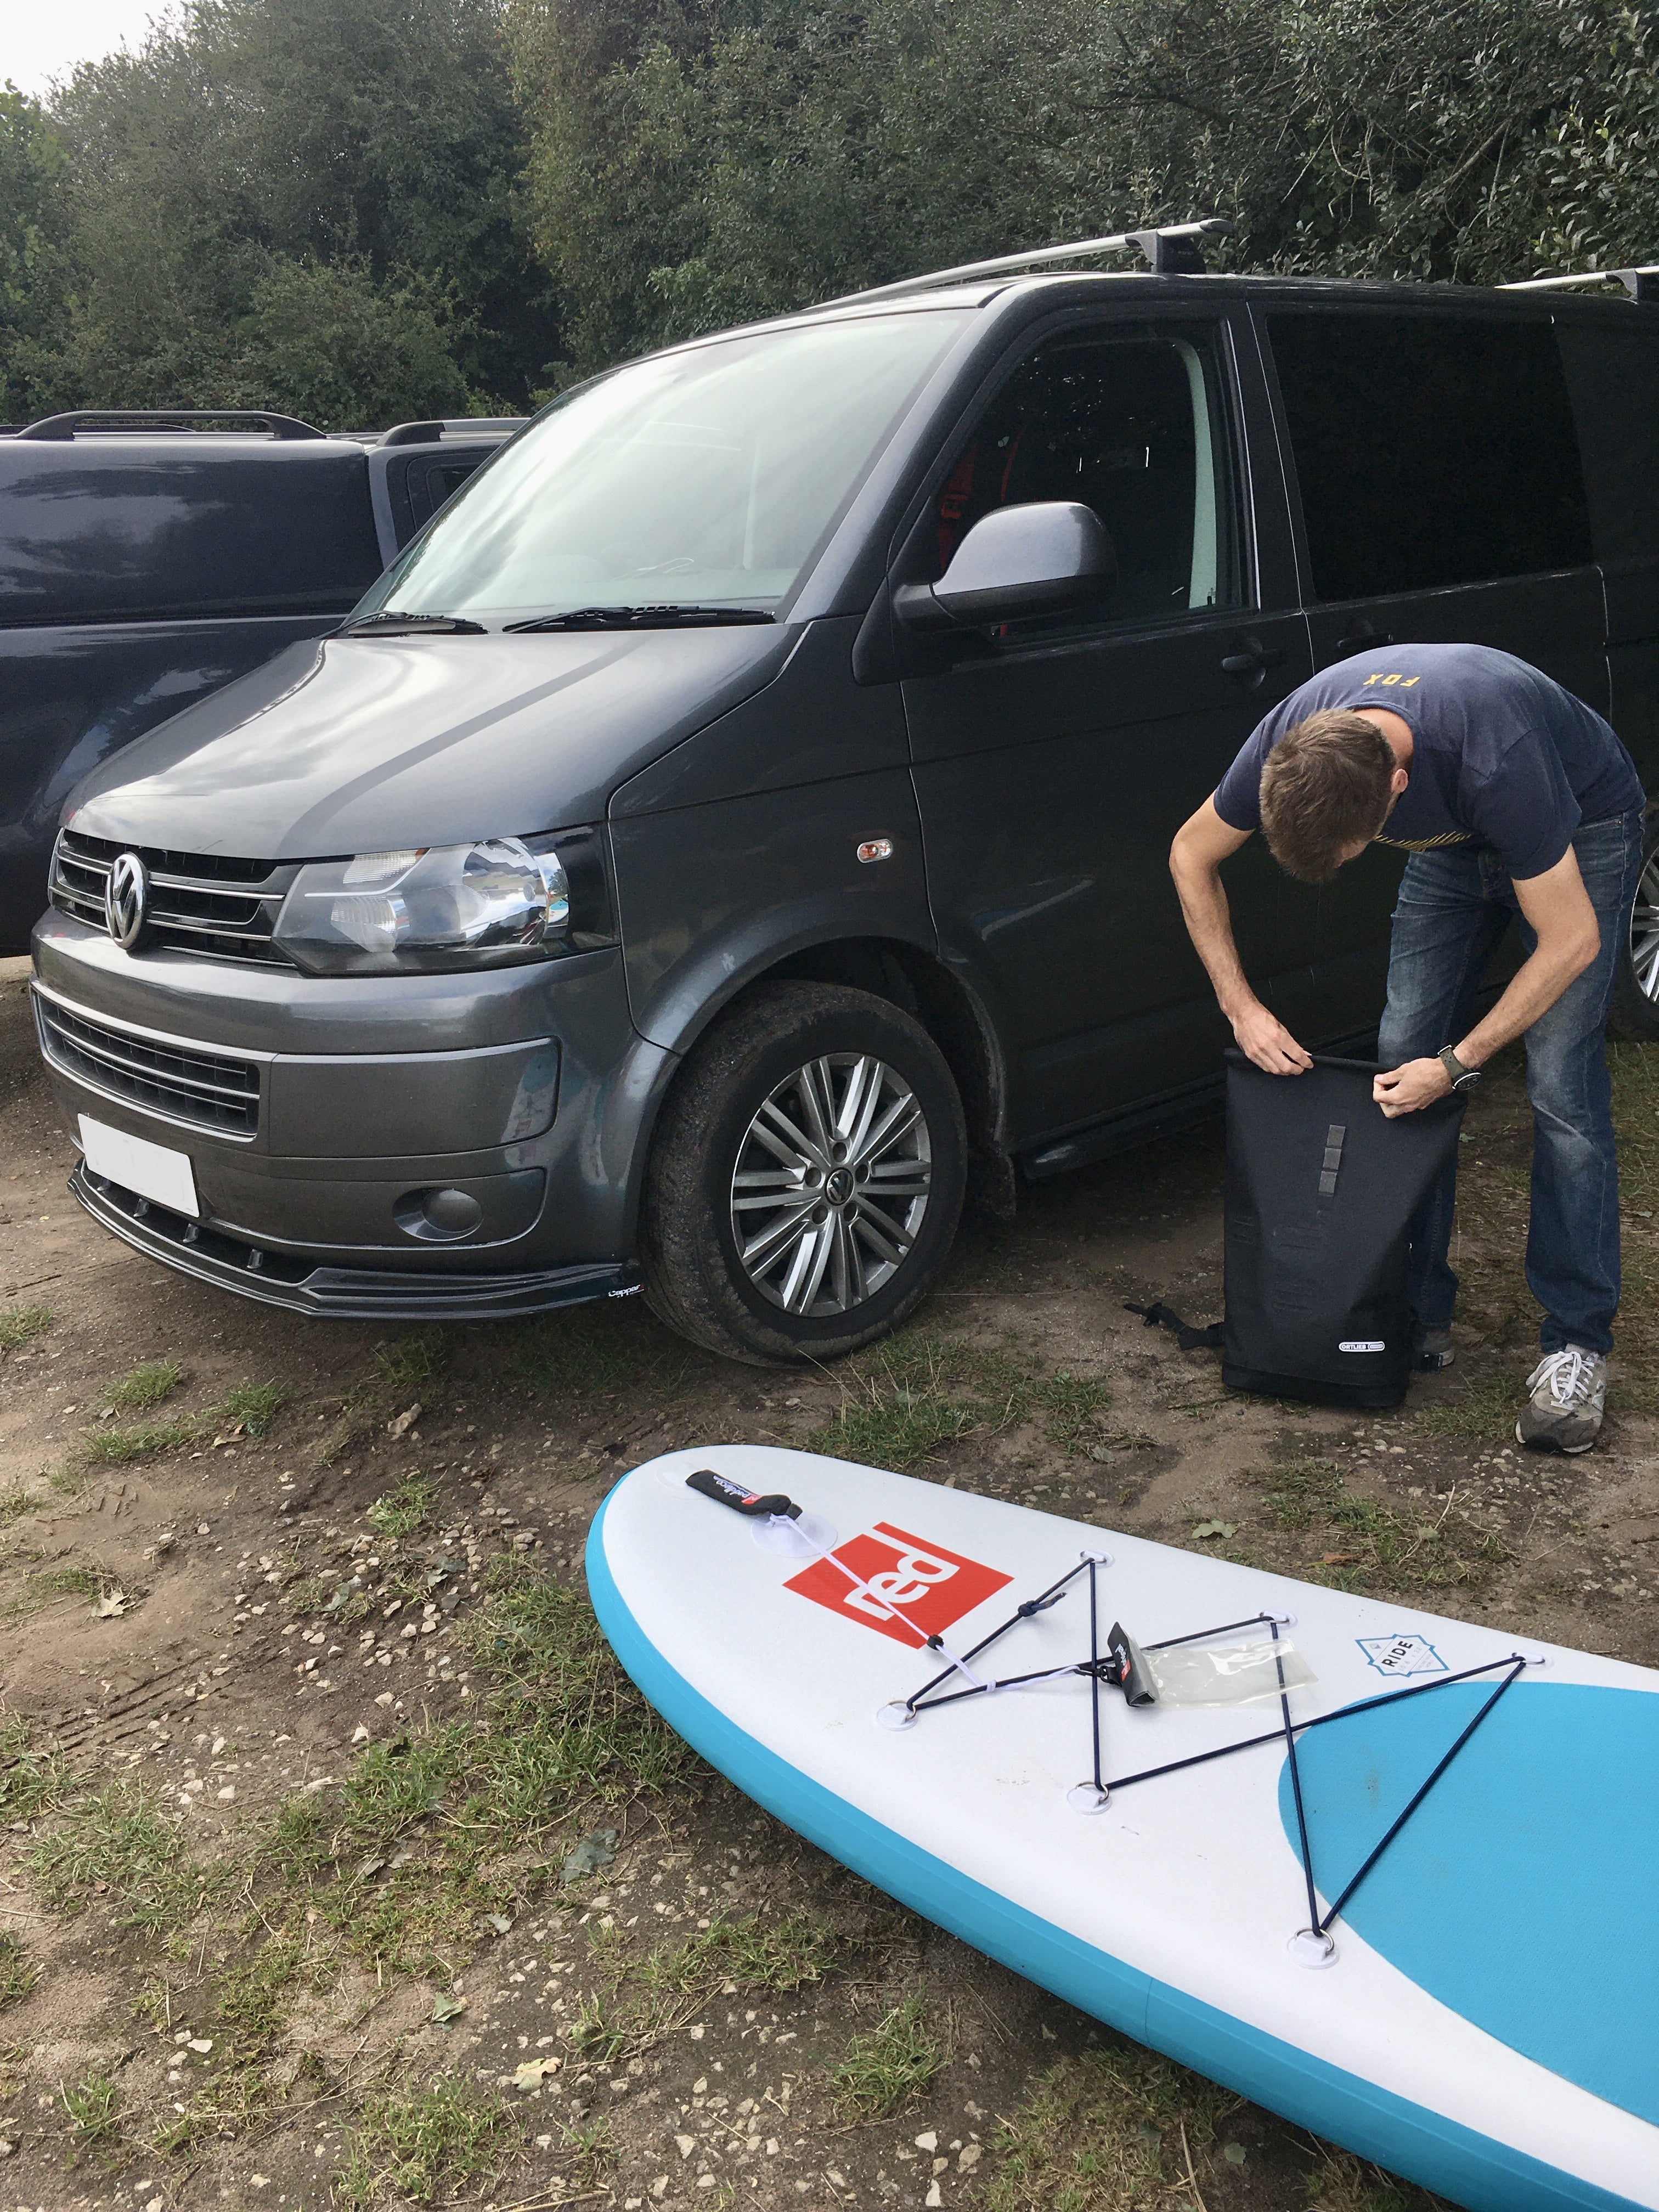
660,617
388,625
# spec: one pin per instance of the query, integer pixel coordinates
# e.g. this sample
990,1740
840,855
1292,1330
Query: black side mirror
1017,562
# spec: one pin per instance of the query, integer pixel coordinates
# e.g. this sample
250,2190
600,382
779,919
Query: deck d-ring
1313,1946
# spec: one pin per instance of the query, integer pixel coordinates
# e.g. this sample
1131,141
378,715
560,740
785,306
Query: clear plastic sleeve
1226,1673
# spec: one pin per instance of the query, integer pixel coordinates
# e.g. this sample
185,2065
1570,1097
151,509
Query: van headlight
486,905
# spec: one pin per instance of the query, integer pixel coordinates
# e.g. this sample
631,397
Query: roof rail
1640,283
63,426
1171,251
428,433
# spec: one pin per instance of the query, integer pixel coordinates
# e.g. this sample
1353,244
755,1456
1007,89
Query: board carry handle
724,1491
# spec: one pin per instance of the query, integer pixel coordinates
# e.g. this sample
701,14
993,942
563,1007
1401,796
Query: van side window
1431,450
1613,377
1133,425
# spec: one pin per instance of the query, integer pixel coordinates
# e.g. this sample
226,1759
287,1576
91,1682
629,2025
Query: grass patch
1484,1409
600,2033
1372,1542
400,1368
17,1973
144,1386
1303,1493
889,2065
557,1732
250,1996
912,1392
403,1508
71,1582
592,1351
29,1779
906,1397
20,1325
94,2110
592,2150
114,1846
405,1366
1070,1407
113,1447
754,1952
1342,2183
655,1996
1107,2131
409,2143
252,1406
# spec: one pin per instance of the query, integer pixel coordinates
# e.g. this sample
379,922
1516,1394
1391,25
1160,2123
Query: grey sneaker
1569,1395
1434,1353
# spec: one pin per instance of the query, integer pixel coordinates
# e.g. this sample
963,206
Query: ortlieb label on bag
1362,1344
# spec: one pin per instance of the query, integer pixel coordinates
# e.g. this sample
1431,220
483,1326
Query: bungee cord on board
781,1525
1120,1666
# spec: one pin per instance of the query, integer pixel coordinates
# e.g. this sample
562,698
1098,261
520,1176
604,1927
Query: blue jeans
1454,905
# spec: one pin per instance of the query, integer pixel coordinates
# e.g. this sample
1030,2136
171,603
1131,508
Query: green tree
34,268
1600,166
328,343
263,172
693,165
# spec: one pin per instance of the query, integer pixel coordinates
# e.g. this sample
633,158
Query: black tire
1635,1011
886,1213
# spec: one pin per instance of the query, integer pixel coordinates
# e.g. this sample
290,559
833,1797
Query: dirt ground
339,1864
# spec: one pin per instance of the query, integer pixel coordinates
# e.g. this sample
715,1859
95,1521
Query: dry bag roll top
1322,1186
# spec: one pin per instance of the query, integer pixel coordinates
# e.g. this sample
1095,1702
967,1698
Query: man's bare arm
1568,936
1203,842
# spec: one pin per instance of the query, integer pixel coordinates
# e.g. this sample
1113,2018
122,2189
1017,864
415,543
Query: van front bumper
289,1278
439,1147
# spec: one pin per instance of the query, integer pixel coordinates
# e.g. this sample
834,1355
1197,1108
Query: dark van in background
146,559
740,821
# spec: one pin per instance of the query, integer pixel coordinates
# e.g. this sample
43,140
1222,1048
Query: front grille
215,1090
200,903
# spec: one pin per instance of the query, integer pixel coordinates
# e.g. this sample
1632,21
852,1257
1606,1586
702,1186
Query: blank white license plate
152,1170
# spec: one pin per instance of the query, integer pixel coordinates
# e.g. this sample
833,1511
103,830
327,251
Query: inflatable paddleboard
1430,1935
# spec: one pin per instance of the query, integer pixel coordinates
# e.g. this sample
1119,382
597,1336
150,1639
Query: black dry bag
1320,1189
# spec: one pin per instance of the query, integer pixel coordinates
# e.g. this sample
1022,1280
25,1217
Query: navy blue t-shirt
1502,757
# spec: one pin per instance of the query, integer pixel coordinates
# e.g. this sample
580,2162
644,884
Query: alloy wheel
831,1183
1644,933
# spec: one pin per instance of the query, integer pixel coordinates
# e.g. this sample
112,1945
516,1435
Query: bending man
1509,794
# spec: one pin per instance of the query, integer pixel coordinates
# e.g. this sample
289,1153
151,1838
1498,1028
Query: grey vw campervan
737,825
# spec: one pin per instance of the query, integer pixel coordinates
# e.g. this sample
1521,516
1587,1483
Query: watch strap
1461,1077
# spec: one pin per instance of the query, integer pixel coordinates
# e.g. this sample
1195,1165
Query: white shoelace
1569,1374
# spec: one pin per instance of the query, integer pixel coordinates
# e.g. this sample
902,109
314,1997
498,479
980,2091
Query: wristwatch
1463,1078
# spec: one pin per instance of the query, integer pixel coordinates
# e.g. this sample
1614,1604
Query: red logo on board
888,1569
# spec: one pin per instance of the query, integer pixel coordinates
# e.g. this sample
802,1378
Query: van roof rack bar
428,434
1169,250
63,426
1641,283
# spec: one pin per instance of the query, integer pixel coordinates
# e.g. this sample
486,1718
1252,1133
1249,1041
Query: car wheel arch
911,978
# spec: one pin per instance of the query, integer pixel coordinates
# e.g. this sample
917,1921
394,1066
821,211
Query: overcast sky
45,39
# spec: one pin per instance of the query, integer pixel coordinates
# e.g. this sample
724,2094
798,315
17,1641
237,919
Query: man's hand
1403,1089
1203,842
1264,1039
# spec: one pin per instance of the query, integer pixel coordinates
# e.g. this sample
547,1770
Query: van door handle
1363,641
1252,661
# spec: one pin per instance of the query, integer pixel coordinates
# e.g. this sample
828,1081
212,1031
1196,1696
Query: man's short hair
1324,788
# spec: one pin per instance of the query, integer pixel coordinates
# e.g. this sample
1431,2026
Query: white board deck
1489,2024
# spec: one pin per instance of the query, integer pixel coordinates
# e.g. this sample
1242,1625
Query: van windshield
707,478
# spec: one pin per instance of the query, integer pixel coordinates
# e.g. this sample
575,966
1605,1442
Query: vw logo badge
126,900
